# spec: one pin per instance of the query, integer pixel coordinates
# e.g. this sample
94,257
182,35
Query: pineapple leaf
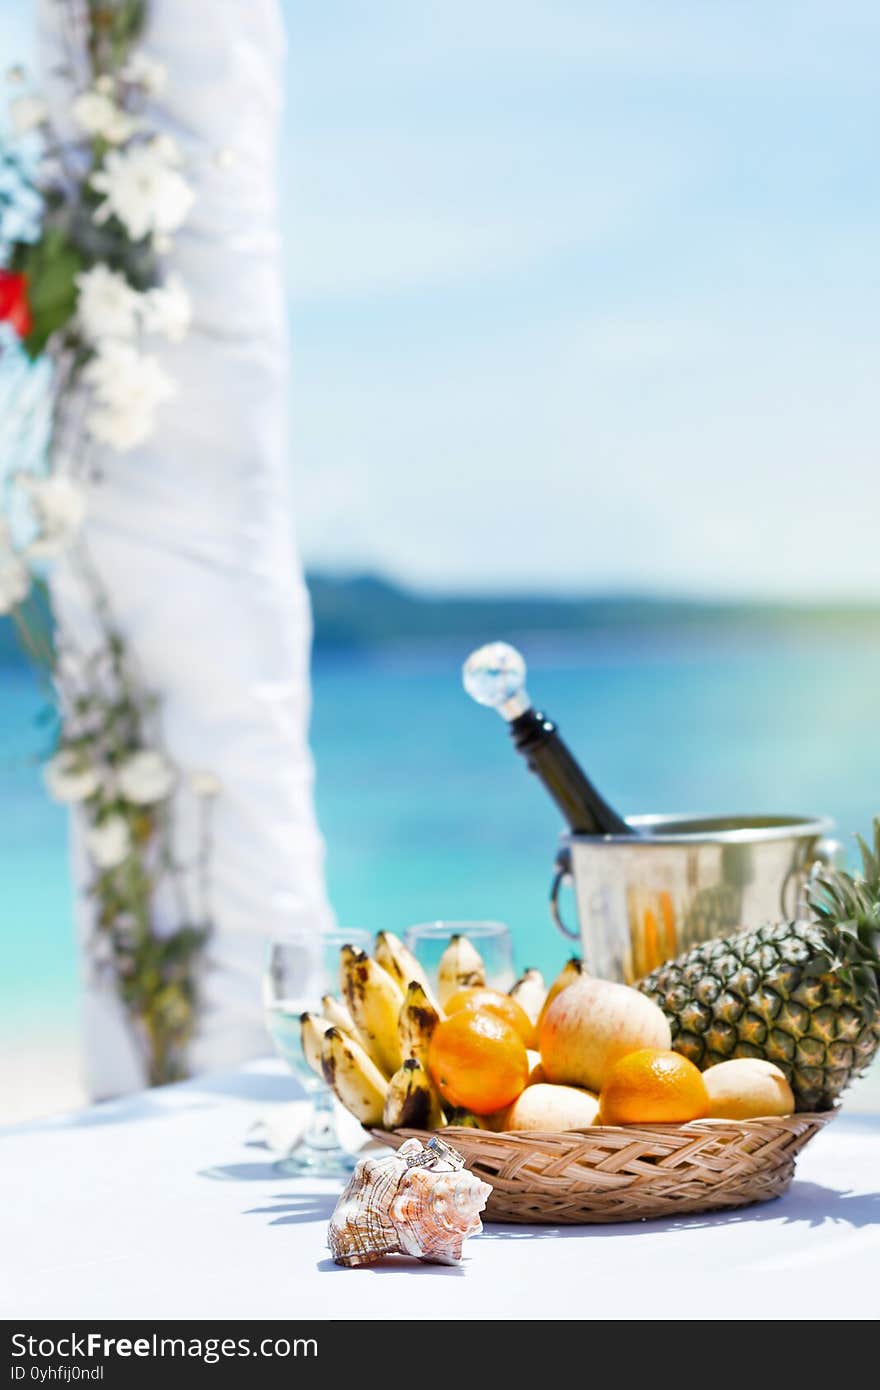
871,860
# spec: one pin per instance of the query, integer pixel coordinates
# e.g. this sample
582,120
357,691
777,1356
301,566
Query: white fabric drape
193,535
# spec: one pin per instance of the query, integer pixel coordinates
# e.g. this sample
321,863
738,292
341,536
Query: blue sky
586,295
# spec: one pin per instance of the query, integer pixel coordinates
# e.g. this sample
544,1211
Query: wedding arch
147,489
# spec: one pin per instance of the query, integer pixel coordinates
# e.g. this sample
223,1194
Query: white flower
107,306
205,784
145,777
71,777
128,386
15,580
97,113
224,158
143,187
167,309
109,843
105,84
27,112
59,507
145,72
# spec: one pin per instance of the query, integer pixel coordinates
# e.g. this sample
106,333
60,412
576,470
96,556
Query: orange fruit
478,1061
478,999
652,1087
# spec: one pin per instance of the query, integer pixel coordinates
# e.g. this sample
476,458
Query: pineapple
805,995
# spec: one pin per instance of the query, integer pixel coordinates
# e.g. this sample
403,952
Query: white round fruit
552,1108
591,1025
746,1089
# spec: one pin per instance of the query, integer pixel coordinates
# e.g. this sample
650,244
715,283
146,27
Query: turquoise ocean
428,813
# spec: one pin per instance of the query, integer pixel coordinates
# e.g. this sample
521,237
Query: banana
411,1101
530,992
416,1024
312,1028
461,966
571,971
356,1080
536,1068
333,1008
402,965
374,1001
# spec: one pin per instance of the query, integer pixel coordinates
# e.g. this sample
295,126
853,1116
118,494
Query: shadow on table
243,1172
250,1086
396,1264
177,1099
114,1112
806,1203
290,1209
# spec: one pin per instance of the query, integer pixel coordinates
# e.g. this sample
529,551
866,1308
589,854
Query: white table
156,1207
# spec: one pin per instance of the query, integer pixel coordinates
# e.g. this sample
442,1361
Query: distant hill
366,611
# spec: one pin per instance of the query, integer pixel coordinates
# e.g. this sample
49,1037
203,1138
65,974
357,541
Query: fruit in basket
312,1028
550,1108
400,963
572,970
746,1089
411,1102
478,1062
804,995
591,1025
374,1001
461,965
416,1023
481,1000
355,1078
530,992
653,1086
465,1119
536,1067
333,1009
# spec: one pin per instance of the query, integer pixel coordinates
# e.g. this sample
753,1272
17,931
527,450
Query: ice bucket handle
562,874
827,853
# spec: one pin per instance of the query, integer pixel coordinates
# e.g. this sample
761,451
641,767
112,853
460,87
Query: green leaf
51,266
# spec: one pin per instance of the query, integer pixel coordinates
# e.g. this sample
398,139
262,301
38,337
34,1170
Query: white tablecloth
157,1207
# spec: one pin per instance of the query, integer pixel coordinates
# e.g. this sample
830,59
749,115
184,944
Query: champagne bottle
495,675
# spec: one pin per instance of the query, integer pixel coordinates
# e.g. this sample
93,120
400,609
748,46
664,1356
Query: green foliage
104,715
51,266
114,26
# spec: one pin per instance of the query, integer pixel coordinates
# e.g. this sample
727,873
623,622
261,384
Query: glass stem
321,1131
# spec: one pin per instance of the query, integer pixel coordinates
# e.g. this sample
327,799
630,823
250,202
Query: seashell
419,1201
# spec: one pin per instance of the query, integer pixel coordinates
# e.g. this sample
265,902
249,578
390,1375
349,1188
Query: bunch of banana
402,965
374,1001
411,1101
356,1080
461,967
412,1091
530,991
416,1022
371,1046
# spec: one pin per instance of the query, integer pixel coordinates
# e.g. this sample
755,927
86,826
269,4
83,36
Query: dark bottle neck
586,812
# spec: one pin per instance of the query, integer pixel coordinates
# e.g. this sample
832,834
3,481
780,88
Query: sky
584,296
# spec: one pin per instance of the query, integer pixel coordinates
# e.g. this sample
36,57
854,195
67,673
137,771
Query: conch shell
418,1201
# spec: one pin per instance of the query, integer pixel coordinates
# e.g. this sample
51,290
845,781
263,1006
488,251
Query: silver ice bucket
643,899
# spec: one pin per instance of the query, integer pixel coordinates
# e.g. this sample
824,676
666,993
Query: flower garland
84,225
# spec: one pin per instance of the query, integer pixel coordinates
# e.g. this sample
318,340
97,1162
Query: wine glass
301,967
428,941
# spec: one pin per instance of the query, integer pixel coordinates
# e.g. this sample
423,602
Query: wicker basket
608,1173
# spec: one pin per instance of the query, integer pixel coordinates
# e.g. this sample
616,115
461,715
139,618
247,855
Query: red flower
14,307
